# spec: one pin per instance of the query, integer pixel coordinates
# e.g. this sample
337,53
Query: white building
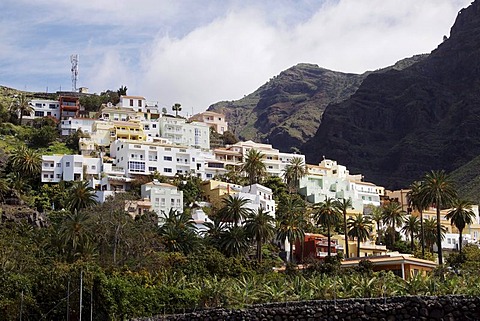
179,131
331,180
214,120
56,168
163,197
71,125
43,108
259,196
146,158
274,160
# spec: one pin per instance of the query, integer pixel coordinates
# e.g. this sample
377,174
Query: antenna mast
74,61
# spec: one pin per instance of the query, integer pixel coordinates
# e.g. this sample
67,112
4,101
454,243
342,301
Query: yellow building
368,248
215,191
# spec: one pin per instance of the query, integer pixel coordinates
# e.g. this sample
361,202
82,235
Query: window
67,164
59,175
131,102
38,105
136,166
172,202
59,164
139,103
154,125
94,167
163,202
39,114
52,106
152,169
167,158
167,170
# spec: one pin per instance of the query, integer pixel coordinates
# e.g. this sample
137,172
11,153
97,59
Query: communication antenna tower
74,61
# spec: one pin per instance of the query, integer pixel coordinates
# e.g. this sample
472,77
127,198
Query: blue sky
200,52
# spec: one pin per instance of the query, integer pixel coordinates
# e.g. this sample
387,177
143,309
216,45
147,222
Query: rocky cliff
286,111
401,123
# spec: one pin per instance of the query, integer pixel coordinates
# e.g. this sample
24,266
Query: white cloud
198,53
235,54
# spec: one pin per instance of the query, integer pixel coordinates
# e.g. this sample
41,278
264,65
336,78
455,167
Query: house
212,119
314,246
69,106
163,197
71,125
56,168
402,265
43,108
367,248
181,132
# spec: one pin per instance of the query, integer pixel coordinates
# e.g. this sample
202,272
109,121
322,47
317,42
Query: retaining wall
395,308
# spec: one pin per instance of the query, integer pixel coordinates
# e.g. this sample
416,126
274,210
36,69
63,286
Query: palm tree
393,216
234,209
176,108
343,205
234,241
460,216
377,216
80,196
74,233
214,231
294,172
21,106
327,214
438,189
411,227
26,161
254,166
291,227
177,231
416,201
359,227
260,226
430,226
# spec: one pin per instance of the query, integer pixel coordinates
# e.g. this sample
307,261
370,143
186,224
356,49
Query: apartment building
214,120
331,180
274,160
181,132
163,197
145,158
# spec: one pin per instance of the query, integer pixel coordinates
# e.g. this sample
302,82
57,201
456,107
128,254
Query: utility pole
81,293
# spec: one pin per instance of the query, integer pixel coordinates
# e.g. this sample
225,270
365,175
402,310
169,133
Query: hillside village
136,139
176,213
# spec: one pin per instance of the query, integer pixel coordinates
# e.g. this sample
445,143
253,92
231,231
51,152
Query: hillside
401,123
286,111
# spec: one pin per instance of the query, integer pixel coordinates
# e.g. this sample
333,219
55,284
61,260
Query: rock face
397,308
286,110
401,123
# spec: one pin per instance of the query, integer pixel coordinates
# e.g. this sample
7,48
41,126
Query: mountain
286,111
401,123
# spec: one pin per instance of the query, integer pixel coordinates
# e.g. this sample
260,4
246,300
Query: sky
198,52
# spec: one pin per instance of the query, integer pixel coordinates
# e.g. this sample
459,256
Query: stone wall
396,308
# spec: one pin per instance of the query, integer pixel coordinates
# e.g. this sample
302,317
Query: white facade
139,104
331,180
163,197
43,108
259,196
215,120
274,160
56,168
71,125
145,158
450,241
178,131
